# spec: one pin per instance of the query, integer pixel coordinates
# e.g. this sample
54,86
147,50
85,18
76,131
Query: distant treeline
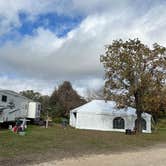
62,100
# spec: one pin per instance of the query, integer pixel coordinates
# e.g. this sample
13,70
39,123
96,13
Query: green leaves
133,66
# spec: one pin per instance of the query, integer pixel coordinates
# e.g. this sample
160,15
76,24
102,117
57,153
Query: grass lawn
56,142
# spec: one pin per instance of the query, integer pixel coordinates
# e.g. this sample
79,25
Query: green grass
56,140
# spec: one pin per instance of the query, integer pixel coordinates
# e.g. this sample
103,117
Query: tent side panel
105,122
96,122
148,124
89,121
73,119
129,122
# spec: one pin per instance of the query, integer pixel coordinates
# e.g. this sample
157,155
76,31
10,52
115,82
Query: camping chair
130,132
133,132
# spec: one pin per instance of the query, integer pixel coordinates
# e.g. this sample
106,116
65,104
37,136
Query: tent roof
102,107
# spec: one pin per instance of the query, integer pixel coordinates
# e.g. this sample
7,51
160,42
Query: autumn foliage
66,98
135,75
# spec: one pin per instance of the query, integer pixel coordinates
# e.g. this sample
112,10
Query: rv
15,106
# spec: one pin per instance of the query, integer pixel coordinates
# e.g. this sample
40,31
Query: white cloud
9,13
91,84
47,87
75,57
10,10
17,84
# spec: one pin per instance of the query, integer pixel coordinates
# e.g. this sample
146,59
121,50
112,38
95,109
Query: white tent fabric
100,115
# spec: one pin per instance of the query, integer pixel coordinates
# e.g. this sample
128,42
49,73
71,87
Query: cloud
17,84
91,84
11,10
75,57
47,87
77,54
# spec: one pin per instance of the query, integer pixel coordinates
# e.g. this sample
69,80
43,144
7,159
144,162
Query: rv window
4,98
39,107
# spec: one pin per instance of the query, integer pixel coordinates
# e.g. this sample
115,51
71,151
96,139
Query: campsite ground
150,156
55,143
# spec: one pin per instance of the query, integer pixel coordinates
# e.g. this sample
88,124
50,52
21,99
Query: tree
163,101
44,100
65,98
95,94
36,96
136,74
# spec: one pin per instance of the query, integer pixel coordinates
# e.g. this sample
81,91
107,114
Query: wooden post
47,120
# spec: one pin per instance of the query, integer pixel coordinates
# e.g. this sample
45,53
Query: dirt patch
147,156
59,157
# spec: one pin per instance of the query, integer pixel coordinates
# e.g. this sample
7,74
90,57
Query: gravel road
155,156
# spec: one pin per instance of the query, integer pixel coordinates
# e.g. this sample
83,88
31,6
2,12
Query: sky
44,42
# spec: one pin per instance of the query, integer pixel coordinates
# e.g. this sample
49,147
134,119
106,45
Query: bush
57,120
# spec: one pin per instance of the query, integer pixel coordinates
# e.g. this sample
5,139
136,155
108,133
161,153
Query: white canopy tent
101,115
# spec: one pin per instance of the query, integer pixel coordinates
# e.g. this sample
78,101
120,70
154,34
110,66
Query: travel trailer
15,106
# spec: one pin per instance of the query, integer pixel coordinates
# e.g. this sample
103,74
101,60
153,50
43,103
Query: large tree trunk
155,117
138,126
139,122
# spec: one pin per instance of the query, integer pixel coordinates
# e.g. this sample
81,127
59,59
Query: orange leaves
143,68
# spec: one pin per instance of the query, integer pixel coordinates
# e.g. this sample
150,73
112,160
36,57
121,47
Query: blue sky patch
58,24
